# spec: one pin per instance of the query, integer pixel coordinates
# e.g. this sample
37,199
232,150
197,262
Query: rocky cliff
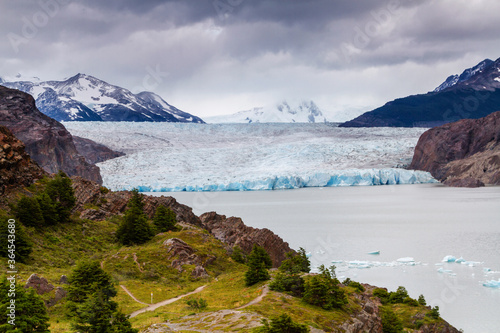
93,151
46,140
97,203
464,153
17,169
233,231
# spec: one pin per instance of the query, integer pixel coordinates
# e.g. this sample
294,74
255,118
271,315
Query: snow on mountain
237,157
305,112
86,98
466,75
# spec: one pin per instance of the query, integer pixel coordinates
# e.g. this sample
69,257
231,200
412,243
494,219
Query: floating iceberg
374,252
492,284
449,258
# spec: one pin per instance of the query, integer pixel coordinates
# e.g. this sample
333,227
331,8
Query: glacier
165,157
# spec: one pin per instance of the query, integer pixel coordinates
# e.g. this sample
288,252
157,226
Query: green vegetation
281,324
96,301
30,312
258,264
89,301
135,228
238,255
164,219
323,290
14,243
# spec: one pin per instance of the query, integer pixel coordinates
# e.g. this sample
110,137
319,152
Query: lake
417,224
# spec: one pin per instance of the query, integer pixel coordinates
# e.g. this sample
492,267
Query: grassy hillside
147,269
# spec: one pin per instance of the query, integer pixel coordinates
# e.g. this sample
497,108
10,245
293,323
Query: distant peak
466,75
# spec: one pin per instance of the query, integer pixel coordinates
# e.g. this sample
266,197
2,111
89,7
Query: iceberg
449,258
492,284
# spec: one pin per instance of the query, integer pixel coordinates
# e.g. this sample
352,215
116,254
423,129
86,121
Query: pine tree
30,312
62,194
89,301
20,247
323,290
258,263
238,255
134,228
164,219
28,211
48,209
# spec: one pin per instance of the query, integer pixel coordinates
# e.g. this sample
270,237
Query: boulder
40,284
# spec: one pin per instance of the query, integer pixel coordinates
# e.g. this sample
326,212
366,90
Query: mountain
465,76
305,112
473,94
47,141
463,153
86,98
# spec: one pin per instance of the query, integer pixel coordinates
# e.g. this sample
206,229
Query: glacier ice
163,157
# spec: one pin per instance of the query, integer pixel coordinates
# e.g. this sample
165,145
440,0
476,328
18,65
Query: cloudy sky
212,57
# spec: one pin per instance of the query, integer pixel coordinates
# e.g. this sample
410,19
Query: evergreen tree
164,219
48,209
390,322
134,228
19,247
238,255
28,211
258,263
30,312
89,301
62,194
296,262
323,290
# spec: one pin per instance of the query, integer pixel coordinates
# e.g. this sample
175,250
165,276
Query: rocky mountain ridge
464,153
46,140
86,98
474,94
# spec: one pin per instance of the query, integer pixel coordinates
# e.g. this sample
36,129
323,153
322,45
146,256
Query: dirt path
257,299
155,306
130,294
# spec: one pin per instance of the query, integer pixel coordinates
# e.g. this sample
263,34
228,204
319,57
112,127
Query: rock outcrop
40,284
105,203
17,169
233,231
94,152
464,153
182,254
46,140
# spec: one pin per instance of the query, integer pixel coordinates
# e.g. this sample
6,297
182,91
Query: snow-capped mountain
86,98
485,75
305,112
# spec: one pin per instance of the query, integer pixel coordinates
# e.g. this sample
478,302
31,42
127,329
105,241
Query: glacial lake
423,223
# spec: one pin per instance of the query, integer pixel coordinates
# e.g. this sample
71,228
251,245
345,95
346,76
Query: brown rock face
233,231
464,153
109,203
93,151
46,140
38,283
17,169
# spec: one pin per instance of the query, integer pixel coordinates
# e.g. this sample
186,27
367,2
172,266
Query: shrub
296,262
197,303
421,300
281,324
238,255
286,282
434,312
28,212
390,322
18,248
323,290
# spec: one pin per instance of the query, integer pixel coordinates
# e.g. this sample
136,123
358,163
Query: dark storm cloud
252,48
